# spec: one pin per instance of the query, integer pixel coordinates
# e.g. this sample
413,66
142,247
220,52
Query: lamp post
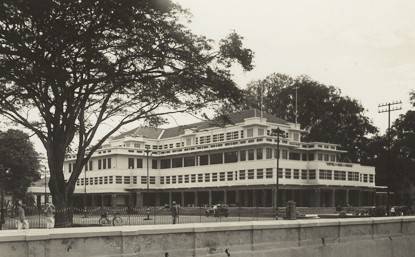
147,151
46,184
277,132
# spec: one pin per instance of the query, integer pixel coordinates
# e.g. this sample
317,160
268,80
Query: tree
68,68
322,110
18,155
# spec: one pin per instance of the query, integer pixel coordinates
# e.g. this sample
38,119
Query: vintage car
217,210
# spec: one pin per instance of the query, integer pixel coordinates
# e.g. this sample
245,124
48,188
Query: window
139,163
90,165
207,177
296,136
216,158
312,174
332,157
127,180
280,173
365,178
161,180
109,163
230,176
295,156
193,178
325,174
259,173
326,157
189,161
199,177
167,179
214,177
70,167
320,156
173,179
110,180
268,173
231,157
99,164
242,134
188,141
260,132
154,164
118,179
371,178
105,180
268,153
242,174
165,164
303,174
222,176
251,174
143,180
177,162
242,155
353,176
152,180
250,132
96,181
304,156
284,154
339,175
100,180
251,154
104,164
296,174
287,173
130,163
180,179
259,153
311,156
203,159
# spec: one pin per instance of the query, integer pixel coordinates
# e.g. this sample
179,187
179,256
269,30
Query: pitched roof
232,118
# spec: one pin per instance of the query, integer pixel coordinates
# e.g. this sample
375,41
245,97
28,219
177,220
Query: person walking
174,211
22,222
50,215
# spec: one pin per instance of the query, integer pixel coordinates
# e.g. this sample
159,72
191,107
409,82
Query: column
196,201
182,198
102,200
225,196
113,197
92,200
333,198
138,199
264,198
347,197
316,198
210,197
170,198
359,197
254,200
246,198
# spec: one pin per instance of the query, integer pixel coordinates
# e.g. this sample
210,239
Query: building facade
207,163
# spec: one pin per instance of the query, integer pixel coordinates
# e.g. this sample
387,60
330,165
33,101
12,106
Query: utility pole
277,132
147,151
383,108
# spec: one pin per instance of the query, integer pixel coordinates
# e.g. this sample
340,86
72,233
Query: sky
365,48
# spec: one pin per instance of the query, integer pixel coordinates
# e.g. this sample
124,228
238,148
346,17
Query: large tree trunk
61,192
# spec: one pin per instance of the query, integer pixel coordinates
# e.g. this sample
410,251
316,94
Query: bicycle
105,220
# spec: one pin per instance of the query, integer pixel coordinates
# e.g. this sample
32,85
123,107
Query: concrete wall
366,237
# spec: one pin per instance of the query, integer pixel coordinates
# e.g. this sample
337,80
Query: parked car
217,210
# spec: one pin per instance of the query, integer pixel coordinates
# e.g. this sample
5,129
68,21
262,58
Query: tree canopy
68,68
322,110
17,154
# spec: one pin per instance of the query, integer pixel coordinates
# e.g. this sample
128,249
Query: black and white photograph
192,128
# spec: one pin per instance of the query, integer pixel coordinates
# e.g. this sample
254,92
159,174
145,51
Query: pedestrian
50,215
174,211
22,222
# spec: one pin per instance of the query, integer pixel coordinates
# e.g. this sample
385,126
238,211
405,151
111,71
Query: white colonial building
205,163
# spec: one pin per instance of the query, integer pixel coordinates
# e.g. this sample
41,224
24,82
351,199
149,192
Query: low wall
366,237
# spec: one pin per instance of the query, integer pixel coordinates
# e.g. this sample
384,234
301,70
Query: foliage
69,68
18,155
322,110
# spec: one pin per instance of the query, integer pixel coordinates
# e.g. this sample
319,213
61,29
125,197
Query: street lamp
277,132
147,151
3,178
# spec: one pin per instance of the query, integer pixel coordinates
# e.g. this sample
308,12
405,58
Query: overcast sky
365,48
